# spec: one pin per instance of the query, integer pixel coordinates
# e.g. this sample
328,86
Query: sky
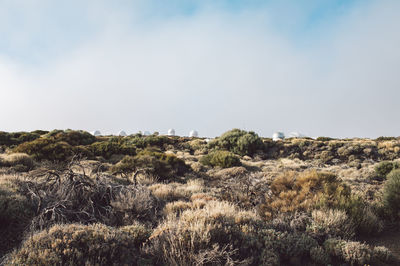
321,68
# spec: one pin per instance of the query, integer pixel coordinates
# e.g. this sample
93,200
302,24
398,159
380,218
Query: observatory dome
146,133
96,133
193,133
171,132
122,133
278,136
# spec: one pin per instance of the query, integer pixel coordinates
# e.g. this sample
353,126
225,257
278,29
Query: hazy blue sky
319,67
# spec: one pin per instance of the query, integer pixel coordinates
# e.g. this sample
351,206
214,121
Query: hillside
70,198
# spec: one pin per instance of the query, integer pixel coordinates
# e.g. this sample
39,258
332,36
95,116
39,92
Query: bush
143,142
391,194
385,167
16,212
239,141
332,223
217,233
357,253
294,191
20,161
77,244
113,146
46,149
16,138
286,248
163,165
224,159
72,137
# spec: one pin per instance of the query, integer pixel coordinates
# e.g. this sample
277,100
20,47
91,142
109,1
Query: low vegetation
70,198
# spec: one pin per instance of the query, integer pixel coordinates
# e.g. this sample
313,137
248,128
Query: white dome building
146,133
171,132
122,134
96,133
193,134
278,136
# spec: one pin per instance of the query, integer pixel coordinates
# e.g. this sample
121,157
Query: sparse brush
20,161
76,244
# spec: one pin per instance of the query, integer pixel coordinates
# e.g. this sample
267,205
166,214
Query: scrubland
69,198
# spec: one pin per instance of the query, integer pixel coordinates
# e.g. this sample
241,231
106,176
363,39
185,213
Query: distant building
193,134
96,133
122,133
146,133
278,136
171,132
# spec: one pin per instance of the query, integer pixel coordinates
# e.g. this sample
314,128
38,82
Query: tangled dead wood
66,196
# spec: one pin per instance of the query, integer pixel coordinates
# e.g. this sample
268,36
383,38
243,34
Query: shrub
143,142
217,226
332,223
239,141
357,253
324,139
224,159
288,248
303,191
72,137
385,167
77,244
16,212
391,194
20,161
46,148
16,138
113,146
163,165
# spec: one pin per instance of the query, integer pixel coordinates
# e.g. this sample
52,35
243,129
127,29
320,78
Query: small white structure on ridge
193,134
146,133
171,132
122,134
278,136
96,133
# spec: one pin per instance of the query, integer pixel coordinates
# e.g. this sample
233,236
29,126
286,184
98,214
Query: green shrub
113,146
239,141
385,167
163,165
287,247
143,142
224,159
16,138
76,244
391,194
324,139
72,137
46,148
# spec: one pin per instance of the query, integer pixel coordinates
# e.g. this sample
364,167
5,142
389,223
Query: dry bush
67,197
20,161
357,253
295,191
176,191
76,244
218,229
332,223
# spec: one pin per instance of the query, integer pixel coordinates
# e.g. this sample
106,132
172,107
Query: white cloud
214,71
